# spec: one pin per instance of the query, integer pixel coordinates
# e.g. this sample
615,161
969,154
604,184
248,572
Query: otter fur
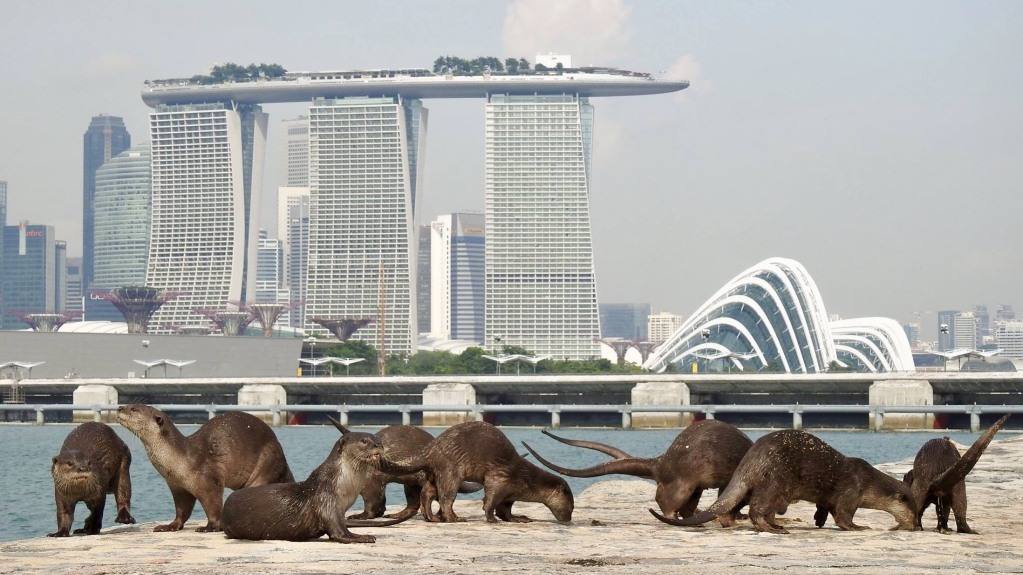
703,456
939,477
477,451
792,465
92,462
234,450
314,507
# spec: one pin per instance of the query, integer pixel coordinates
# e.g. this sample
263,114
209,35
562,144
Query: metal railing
878,412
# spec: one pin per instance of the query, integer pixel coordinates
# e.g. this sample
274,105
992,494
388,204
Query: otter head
144,421
885,493
364,448
555,494
72,470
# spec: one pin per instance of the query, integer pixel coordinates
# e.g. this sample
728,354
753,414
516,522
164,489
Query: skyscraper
105,138
293,231
294,153
541,290
661,325
1009,337
424,289
965,331
122,218
29,274
59,275
624,320
946,341
458,270
207,177
269,269
912,334
1004,312
364,177
73,298
983,323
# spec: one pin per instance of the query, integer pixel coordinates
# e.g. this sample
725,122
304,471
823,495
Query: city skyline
775,121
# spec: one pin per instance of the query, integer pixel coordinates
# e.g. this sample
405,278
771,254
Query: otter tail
404,466
601,447
631,466
962,468
374,523
344,430
731,498
469,487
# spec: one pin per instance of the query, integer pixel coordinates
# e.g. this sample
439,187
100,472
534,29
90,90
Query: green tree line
478,66
231,72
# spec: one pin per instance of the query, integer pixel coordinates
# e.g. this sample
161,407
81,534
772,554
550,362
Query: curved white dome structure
773,314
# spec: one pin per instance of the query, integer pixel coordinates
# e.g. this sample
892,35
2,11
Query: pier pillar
657,393
797,419
264,395
901,392
448,394
975,422
94,395
555,419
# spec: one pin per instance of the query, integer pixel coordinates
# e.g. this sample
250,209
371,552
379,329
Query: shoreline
611,529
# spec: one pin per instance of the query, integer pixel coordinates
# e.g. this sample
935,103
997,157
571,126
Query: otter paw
61,533
358,539
208,528
363,515
519,519
124,517
168,527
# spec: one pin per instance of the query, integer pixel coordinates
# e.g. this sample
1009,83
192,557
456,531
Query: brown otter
234,450
93,461
793,465
314,507
703,456
939,477
477,451
399,442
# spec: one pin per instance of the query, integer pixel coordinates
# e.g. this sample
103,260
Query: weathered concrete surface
611,533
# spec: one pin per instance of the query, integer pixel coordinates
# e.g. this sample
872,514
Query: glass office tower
105,138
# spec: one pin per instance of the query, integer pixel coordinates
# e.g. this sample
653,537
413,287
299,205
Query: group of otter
238,451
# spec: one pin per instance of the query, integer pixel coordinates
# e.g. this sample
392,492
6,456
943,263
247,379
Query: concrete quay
611,532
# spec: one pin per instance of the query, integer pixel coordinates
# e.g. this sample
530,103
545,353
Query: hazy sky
879,143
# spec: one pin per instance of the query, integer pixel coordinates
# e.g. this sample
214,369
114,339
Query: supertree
646,348
138,304
229,322
620,347
341,328
45,321
267,314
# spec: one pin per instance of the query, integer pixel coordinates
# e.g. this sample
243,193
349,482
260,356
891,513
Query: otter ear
55,460
159,420
344,430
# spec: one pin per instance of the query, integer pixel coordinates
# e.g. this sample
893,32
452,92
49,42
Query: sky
878,143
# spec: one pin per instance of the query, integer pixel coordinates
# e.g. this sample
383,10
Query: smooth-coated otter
939,477
703,456
314,507
477,451
93,461
792,465
399,442
234,450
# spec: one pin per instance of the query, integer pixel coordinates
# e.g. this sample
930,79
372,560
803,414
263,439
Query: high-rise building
269,269
541,290
59,275
207,176
457,270
946,330
105,138
912,333
74,296
294,153
293,231
965,329
364,177
661,325
424,278
983,323
1009,337
29,272
1004,312
122,219
624,320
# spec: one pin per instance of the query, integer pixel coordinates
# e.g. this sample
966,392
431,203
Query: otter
314,507
793,465
234,450
703,456
939,477
92,462
399,442
477,451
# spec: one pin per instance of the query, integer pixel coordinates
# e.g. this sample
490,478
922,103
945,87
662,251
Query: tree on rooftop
523,64
512,65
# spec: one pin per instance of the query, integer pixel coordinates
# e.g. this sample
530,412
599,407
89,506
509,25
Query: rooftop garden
231,72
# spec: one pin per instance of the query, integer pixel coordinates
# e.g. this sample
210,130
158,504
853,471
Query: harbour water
26,488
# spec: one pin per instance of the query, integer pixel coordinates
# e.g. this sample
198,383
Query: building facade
946,335
269,269
105,138
29,272
624,320
912,333
74,297
424,278
365,159
541,290
1009,337
206,182
296,251
1004,312
293,168
458,270
660,326
966,331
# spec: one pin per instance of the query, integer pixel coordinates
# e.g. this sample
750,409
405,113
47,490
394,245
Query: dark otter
939,477
477,451
703,456
234,450
93,461
792,465
399,442
314,507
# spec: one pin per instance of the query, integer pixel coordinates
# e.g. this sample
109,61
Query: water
26,487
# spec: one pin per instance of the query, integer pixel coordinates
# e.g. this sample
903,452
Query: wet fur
314,507
791,465
92,462
234,451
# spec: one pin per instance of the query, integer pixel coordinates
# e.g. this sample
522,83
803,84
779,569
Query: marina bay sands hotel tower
367,144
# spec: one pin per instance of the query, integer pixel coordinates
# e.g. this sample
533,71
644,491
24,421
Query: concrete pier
265,395
657,393
902,392
94,395
448,394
